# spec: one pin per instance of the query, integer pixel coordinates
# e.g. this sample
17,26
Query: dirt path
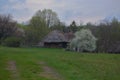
11,66
49,72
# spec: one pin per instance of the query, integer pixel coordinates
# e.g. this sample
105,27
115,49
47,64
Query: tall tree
36,31
7,26
73,27
49,16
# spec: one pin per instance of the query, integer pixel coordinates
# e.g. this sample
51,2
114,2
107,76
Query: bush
12,42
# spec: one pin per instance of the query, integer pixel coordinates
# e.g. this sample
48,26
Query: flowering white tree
83,41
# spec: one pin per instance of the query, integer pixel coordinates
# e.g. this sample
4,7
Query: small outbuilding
55,39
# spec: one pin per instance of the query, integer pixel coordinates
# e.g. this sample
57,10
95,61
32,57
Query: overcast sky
67,10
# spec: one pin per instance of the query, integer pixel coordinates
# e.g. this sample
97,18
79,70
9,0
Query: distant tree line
107,33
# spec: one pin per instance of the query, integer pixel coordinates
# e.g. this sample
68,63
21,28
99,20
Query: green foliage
61,27
12,42
22,26
36,30
83,41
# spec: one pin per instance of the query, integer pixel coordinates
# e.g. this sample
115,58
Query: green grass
69,65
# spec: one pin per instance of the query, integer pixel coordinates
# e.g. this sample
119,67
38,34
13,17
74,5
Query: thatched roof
69,36
55,36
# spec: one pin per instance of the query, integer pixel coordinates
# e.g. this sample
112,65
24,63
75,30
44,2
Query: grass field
57,64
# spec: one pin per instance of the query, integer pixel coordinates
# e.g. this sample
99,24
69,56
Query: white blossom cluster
84,41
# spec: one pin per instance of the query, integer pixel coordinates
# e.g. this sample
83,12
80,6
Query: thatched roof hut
55,39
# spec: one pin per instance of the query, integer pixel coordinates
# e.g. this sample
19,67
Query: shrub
12,42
